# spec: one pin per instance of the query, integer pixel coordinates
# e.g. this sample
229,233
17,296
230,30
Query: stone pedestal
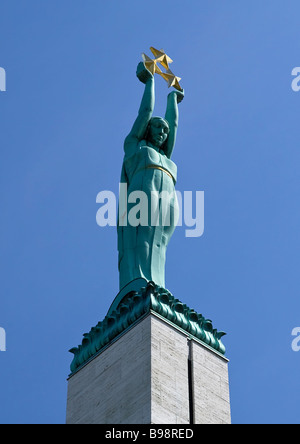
153,372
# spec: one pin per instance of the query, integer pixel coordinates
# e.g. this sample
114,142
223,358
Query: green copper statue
142,243
148,167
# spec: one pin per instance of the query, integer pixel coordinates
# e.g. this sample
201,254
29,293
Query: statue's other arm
171,116
145,112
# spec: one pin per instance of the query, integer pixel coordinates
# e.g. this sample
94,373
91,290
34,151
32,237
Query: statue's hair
159,118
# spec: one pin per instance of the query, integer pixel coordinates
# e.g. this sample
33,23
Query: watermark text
296,340
2,79
164,208
2,340
296,81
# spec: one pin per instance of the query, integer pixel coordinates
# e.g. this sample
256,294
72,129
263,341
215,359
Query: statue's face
158,131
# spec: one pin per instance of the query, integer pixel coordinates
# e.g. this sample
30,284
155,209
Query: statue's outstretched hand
143,74
179,95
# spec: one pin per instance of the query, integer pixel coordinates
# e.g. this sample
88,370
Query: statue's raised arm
171,117
145,112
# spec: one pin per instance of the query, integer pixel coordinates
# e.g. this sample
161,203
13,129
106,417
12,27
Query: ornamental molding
134,306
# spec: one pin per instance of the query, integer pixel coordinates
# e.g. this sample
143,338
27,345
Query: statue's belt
156,167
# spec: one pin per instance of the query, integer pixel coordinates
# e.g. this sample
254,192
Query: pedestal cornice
135,306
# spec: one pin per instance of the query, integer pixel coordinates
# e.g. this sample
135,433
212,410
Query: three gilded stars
163,59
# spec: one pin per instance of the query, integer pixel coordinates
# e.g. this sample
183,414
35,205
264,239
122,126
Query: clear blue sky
71,98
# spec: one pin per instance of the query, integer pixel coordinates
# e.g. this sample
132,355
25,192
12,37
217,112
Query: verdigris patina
148,167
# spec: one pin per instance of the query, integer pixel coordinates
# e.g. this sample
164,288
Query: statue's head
157,132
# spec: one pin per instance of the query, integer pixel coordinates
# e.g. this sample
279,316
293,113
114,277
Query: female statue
148,167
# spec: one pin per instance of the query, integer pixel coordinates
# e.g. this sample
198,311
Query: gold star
151,65
161,57
171,79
